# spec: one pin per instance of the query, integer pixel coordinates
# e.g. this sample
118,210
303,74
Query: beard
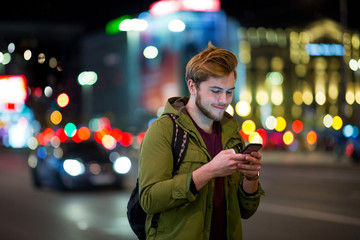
207,113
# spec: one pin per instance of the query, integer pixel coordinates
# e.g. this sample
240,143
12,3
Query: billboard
13,92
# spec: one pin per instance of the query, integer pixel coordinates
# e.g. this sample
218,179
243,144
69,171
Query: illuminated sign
112,27
164,7
322,49
12,91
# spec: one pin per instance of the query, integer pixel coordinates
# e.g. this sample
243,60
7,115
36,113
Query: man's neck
202,121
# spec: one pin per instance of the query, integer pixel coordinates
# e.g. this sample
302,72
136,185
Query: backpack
135,214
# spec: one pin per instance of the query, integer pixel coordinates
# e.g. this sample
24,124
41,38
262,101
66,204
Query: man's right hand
223,164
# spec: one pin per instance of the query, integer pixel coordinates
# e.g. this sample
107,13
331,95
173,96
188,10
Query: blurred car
355,150
77,166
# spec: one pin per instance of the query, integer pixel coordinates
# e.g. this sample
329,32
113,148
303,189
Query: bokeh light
84,133
255,137
87,78
280,124
126,139
230,110
56,117
243,135
297,126
311,137
48,134
243,108
122,165
70,129
176,25
140,137
288,137
62,100
270,122
297,98
117,134
150,52
349,149
27,54
41,58
263,135
248,127
328,120
337,123
108,142
61,134
262,97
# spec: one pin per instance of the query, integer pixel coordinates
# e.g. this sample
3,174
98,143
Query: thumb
229,151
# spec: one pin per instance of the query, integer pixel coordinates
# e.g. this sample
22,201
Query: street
308,200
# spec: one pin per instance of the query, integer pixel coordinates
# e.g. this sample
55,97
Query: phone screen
252,147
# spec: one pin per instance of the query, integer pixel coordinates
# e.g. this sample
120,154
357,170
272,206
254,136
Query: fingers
252,164
227,162
248,167
253,160
256,154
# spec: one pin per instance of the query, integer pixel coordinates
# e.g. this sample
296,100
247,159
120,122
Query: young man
214,187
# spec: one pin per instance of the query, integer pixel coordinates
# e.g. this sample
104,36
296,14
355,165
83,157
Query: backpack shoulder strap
179,143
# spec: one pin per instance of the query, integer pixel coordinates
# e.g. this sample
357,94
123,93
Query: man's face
214,95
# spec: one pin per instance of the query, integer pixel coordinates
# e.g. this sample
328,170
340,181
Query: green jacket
182,214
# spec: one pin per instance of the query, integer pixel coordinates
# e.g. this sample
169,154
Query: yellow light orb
298,98
56,117
248,127
288,137
337,122
243,108
350,97
280,124
308,97
262,97
255,137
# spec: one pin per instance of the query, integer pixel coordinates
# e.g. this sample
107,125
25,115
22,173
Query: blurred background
74,74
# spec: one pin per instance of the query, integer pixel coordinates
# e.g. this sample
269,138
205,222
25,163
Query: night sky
250,13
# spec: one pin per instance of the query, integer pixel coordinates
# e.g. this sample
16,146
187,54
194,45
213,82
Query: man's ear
191,87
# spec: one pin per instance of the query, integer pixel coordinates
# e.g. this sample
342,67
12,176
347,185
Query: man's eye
215,91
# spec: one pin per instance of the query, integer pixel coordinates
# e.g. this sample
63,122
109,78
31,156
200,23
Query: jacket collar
177,106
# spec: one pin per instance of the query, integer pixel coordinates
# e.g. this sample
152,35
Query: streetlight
133,27
86,80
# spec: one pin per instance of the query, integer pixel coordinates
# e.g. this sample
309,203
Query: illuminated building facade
305,76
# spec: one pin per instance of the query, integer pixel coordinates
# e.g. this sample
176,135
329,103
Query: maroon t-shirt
214,146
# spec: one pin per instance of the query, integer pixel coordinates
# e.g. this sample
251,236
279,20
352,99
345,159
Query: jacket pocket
194,158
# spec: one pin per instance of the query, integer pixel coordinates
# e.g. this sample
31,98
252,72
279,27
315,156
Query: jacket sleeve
158,189
249,203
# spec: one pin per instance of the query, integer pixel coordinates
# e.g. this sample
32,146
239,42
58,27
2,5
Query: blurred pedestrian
215,185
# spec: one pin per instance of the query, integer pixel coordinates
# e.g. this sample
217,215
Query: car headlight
32,161
73,167
122,165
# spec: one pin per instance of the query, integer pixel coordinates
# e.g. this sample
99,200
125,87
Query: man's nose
223,98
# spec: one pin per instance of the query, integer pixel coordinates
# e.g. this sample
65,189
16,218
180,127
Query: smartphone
252,147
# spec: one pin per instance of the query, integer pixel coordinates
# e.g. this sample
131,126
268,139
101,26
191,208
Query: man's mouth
220,107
